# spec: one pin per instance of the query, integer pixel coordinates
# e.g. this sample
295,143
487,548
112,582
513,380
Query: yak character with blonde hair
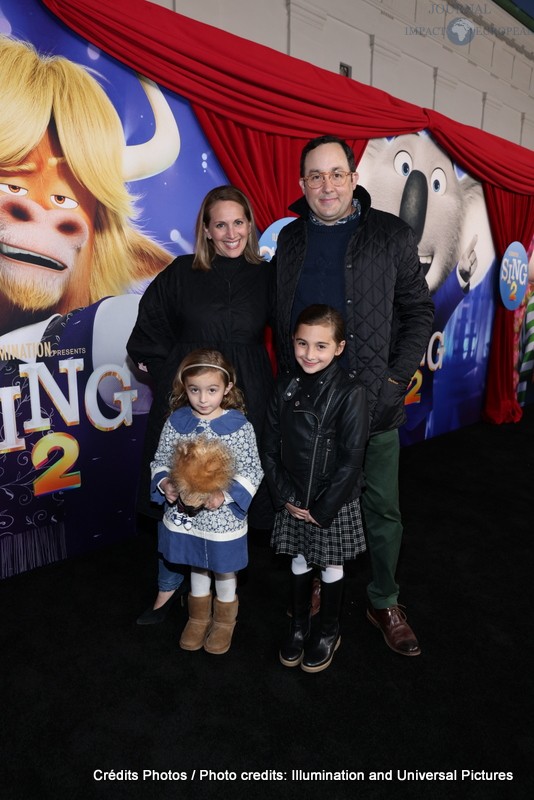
67,236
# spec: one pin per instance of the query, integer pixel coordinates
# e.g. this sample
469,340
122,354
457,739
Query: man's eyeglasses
337,178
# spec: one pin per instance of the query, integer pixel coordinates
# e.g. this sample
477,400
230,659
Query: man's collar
355,215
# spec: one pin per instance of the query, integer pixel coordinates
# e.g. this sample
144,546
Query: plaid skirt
323,547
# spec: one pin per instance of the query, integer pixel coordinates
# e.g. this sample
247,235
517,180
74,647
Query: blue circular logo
513,276
461,31
269,237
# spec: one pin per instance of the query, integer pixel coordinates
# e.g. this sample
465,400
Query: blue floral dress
215,540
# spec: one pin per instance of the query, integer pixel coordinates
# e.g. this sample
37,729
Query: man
342,252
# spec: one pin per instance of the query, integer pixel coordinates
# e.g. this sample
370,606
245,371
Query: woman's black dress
226,308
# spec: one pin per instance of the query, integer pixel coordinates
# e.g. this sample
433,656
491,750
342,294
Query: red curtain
257,108
271,161
489,158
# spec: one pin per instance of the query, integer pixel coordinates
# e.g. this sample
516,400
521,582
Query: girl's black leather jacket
314,442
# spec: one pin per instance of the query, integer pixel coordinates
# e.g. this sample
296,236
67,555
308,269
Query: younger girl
206,401
313,448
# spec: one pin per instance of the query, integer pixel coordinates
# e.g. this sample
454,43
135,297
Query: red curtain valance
257,108
269,91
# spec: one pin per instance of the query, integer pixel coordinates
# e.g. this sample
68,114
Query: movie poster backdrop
524,337
72,407
412,177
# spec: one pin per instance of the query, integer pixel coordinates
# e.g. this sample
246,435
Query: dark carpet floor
85,691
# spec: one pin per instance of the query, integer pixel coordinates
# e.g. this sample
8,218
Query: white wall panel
402,47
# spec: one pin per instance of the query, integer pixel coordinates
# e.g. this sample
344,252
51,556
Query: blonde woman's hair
198,362
41,92
204,248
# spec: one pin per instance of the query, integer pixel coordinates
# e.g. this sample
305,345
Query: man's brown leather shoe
396,632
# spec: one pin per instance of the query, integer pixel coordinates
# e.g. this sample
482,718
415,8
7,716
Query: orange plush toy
200,467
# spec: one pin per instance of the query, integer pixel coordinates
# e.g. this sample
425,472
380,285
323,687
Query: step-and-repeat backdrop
101,177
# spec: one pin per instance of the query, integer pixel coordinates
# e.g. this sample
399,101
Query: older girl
313,447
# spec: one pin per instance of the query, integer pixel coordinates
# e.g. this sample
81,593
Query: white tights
225,584
329,574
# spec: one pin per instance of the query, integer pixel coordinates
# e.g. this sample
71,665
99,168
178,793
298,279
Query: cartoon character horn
156,155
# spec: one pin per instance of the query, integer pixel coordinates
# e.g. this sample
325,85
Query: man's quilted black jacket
388,309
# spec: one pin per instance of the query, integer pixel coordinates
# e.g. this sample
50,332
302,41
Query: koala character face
413,178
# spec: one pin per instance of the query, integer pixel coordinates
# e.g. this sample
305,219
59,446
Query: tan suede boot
199,622
219,638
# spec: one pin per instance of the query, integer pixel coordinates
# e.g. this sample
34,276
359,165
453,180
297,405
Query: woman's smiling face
228,228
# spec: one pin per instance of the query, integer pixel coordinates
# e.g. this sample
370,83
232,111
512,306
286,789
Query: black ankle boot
292,649
323,643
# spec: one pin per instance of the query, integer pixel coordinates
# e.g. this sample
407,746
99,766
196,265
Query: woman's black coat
226,308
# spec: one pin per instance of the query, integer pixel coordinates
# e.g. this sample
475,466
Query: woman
221,297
